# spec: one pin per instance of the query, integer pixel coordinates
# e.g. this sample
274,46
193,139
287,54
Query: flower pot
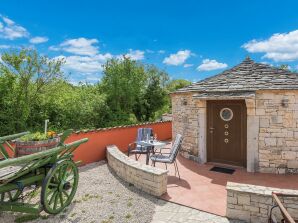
24,148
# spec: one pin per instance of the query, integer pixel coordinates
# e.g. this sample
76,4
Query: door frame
243,127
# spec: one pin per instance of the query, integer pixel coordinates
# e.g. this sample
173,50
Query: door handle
211,129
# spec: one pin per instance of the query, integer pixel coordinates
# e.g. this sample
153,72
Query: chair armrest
131,144
160,149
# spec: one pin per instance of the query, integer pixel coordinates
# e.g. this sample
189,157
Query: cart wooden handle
42,154
12,137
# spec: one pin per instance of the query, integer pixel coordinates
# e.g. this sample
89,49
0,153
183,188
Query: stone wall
278,133
147,178
252,203
185,115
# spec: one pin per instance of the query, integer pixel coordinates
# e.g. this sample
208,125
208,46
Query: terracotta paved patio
203,189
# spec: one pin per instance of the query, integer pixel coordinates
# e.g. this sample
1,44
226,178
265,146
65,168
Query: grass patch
87,197
62,216
44,217
26,218
128,216
77,201
97,196
129,204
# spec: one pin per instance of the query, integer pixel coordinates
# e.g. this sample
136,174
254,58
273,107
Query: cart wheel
59,186
12,195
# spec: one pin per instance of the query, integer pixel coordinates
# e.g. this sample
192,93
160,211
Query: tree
122,84
176,84
24,75
134,92
154,96
284,66
33,88
74,107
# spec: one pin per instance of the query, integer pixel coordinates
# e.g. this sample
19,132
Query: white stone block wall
185,114
278,132
147,178
252,203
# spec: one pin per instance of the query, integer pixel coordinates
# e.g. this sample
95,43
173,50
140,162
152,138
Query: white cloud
149,51
79,46
178,58
84,64
187,65
38,39
279,47
5,46
161,51
8,21
54,48
267,63
135,54
10,30
208,65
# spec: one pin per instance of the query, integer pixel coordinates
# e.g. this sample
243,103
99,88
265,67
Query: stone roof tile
247,76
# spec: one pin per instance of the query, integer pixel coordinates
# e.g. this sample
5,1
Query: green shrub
37,136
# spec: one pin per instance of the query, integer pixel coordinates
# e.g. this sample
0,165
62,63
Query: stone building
245,116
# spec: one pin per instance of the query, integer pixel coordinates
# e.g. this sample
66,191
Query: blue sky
189,39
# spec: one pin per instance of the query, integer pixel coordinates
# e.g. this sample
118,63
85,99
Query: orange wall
95,149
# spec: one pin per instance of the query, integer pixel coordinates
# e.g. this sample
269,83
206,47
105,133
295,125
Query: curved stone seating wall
252,203
147,178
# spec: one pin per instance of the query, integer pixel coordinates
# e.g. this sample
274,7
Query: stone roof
225,95
247,76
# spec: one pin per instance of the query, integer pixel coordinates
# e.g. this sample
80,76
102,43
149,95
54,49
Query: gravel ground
101,197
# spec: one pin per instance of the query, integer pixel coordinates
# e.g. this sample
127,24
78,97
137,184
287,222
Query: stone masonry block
244,199
238,214
293,164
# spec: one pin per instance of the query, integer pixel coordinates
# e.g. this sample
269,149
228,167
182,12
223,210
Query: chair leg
153,163
139,156
166,166
176,169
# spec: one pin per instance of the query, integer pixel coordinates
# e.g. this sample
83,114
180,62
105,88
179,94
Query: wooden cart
52,170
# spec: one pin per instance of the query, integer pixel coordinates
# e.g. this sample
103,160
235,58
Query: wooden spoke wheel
9,196
59,186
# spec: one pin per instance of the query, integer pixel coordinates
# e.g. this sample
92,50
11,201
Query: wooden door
226,132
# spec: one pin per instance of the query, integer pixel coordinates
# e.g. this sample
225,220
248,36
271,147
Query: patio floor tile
205,190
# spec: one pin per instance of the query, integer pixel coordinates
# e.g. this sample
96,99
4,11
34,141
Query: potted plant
36,142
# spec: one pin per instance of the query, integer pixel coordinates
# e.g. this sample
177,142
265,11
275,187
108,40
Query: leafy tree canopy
33,88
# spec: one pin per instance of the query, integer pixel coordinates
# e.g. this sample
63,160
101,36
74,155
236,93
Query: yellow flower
51,134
